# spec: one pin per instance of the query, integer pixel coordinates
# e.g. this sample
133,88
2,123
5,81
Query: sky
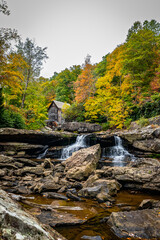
71,29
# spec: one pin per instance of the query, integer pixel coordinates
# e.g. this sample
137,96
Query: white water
80,143
42,155
118,153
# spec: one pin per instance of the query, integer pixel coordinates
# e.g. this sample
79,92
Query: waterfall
80,143
44,151
118,153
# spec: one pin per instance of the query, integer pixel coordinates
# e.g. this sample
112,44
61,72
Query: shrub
143,122
105,126
11,119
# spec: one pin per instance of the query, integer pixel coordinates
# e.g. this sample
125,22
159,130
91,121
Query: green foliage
147,110
64,84
143,122
105,126
74,113
11,119
100,68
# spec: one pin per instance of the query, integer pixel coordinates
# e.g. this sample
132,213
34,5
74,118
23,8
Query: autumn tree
34,56
84,86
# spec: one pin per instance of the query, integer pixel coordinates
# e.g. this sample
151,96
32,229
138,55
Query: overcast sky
71,29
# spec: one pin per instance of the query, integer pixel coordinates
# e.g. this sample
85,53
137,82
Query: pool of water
95,228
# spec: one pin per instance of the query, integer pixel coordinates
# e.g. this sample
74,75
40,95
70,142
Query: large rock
136,224
81,127
141,174
35,136
145,139
100,189
82,163
17,224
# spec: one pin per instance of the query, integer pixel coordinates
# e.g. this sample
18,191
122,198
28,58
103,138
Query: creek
95,228
96,215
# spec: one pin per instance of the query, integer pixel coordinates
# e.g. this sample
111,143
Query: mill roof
58,104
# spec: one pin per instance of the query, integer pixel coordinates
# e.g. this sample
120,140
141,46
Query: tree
34,56
4,7
153,25
141,59
84,85
100,68
64,82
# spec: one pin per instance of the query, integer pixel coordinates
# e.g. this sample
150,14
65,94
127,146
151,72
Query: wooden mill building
55,113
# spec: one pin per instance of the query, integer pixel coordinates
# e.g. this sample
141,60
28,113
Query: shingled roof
58,104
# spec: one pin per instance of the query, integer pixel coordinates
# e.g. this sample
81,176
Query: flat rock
18,224
81,127
54,195
136,224
34,136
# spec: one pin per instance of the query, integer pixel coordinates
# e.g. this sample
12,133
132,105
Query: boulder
102,190
46,184
18,224
136,224
81,127
82,163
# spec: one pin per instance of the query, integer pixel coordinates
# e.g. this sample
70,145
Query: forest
123,87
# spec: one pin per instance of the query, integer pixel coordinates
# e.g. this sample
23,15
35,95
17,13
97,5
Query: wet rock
149,204
136,224
89,192
18,224
82,163
54,218
91,237
18,197
54,195
73,196
100,189
48,214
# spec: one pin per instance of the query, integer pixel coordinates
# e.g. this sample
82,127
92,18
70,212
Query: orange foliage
84,86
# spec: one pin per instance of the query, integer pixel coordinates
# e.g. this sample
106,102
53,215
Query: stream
96,215
95,228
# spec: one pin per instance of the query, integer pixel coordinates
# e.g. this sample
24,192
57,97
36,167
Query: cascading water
80,143
118,153
44,151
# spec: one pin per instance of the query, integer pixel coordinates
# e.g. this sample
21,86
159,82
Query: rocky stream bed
82,197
